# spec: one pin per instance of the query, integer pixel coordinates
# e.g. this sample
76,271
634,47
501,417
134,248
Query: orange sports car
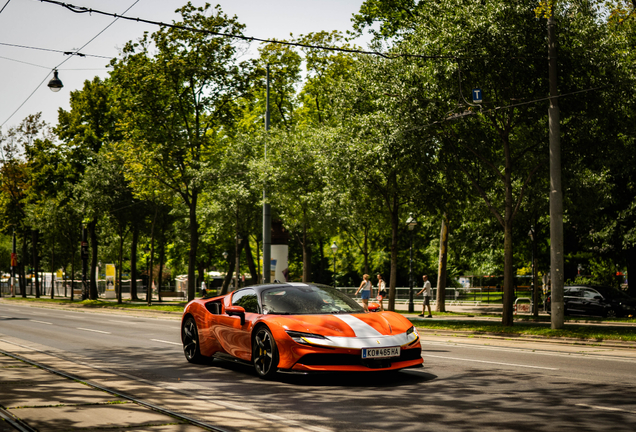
297,328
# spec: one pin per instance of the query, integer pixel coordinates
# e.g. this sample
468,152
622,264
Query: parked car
597,301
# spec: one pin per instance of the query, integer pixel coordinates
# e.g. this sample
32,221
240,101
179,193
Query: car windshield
307,300
614,294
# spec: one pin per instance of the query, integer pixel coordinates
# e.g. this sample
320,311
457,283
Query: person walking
427,297
381,291
365,291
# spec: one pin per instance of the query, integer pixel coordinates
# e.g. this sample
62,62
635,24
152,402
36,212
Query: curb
534,338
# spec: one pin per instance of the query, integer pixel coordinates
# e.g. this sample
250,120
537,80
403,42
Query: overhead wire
60,64
5,5
82,9
55,51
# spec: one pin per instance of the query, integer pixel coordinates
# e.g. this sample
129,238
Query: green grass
126,304
537,329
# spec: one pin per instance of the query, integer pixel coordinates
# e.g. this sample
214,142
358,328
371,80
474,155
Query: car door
236,337
572,301
593,302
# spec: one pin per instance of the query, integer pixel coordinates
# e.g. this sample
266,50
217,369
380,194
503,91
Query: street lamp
334,249
411,223
55,84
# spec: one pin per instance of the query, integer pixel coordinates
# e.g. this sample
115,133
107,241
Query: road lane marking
167,342
490,362
4,316
41,322
598,407
91,330
120,322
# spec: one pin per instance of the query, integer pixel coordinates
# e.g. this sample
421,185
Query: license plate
380,352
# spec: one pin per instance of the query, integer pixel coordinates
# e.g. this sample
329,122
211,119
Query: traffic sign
477,95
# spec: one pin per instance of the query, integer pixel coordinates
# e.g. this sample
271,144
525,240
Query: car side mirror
238,311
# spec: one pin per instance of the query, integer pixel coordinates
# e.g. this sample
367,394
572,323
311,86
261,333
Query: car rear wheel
190,338
264,353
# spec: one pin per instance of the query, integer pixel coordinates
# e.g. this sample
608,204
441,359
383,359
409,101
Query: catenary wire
76,52
5,5
82,9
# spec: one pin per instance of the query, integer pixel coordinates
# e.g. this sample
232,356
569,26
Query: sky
25,72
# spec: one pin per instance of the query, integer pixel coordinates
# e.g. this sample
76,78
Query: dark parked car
601,301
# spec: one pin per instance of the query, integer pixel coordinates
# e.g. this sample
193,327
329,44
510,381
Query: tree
178,88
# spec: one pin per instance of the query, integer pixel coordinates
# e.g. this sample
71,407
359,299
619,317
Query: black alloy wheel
610,313
190,338
264,353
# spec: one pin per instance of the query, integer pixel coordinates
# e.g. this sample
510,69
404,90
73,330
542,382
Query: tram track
22,425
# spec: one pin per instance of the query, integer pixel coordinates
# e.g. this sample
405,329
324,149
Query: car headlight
301,337
412,330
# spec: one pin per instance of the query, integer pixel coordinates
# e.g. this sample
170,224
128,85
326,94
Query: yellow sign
110,270
59,274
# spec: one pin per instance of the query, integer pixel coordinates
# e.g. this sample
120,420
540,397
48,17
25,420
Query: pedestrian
427,297
381,291
365,291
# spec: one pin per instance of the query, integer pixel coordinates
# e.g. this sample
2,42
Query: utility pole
556,194
14,264
267,217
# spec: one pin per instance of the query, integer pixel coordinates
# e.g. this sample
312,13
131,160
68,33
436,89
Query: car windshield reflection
307,300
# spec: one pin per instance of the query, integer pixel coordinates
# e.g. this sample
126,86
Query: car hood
350,330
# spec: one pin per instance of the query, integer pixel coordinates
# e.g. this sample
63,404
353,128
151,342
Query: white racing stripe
489,362
359,327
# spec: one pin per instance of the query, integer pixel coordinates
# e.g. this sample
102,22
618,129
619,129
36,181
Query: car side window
247,299
590,293
572,293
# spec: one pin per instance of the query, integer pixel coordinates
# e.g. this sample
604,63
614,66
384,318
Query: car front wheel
264,353
190,338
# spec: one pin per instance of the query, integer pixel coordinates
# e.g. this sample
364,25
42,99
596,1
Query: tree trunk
306,256
74,248
36,266
92,232
194,243
119,271
365,250
228,275
24,260
53,272
394,249
151,272
250,260
507,318
160,275
443,257
133,264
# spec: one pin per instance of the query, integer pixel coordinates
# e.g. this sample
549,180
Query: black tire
190,338
264,353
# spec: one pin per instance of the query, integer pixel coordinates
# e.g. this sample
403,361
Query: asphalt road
466,383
